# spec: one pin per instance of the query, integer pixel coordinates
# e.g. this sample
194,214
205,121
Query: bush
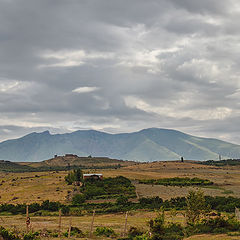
7,235
151,202
174,231
78,199
214,225
65,210
51,206
105,231
75,232
161,231
30,236
122,200
133,232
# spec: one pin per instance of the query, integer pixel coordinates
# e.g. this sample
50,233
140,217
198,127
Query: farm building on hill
93,176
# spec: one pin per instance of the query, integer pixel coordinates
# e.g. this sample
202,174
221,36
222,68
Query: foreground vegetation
122,204
197,213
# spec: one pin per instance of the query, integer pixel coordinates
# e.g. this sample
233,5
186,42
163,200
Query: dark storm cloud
119,66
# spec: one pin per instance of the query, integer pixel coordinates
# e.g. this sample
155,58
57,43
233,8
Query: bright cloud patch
85,89
71,58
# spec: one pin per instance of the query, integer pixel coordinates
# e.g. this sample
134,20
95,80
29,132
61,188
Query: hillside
73,161
8,166
152,144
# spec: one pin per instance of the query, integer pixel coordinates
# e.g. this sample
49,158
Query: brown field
36,187
33,187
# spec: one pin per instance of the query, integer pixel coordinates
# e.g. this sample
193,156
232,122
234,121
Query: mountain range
153,144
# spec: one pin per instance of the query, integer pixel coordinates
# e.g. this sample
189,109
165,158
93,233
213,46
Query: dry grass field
36,187
33,187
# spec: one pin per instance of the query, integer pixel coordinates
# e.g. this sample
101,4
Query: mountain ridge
152,144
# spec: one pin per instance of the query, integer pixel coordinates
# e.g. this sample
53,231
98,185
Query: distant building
93,176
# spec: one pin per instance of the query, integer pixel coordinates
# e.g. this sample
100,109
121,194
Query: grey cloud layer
119,66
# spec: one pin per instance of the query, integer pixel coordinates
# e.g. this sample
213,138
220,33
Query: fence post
237,213
27,219
91,228
70,226
60,222
125,225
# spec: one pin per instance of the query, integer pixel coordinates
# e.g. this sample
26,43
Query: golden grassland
36,187
33,187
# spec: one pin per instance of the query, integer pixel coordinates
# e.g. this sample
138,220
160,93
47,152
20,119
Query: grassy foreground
115,221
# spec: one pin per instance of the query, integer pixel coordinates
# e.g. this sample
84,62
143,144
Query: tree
65,210
78,199
196,206
122,200
157,226
75,176
78,175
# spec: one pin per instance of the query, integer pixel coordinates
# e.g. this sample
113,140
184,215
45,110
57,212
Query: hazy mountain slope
225,149
151,151
146,145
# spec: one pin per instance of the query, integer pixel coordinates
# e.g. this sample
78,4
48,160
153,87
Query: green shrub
105,231
133,232
214,225
75,232
31,236
7,235
162,231
65,210
144,236
122,200
78,199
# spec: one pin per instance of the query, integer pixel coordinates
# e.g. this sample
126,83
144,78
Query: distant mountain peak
45,133
150,144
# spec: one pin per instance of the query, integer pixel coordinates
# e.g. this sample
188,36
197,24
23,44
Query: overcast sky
120,66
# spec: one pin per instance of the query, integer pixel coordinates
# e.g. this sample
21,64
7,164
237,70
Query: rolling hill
153,144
